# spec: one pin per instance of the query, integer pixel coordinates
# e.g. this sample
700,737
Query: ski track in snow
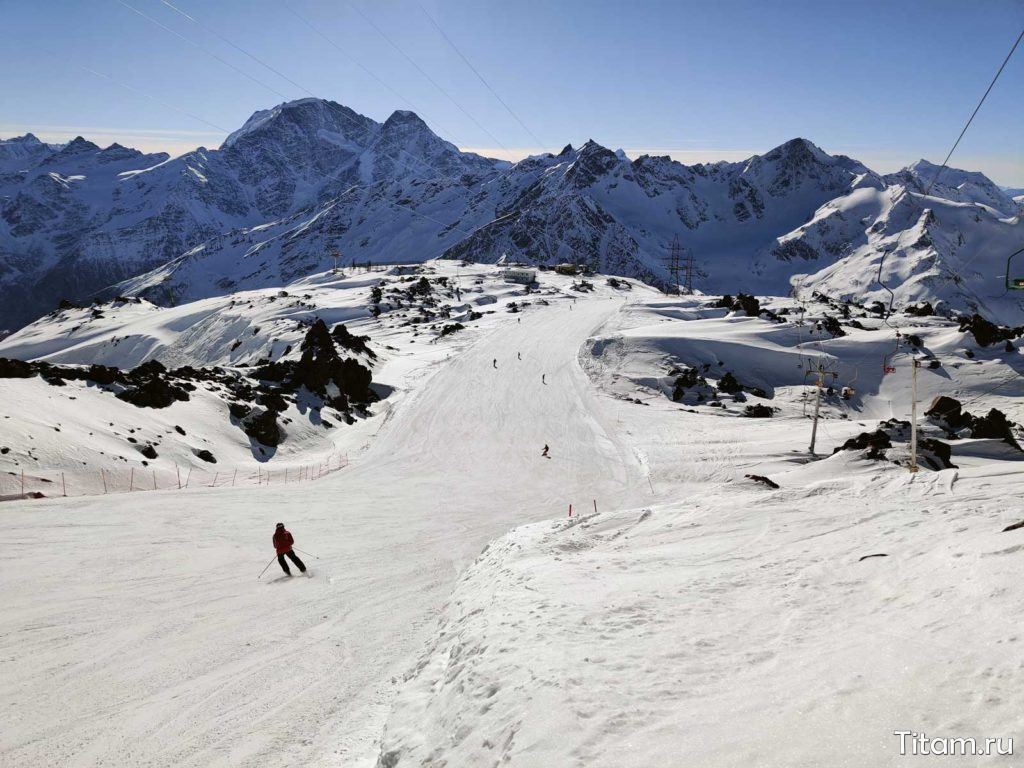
135,632
695,619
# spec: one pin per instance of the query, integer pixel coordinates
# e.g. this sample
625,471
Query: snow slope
159,646
717,622
696,618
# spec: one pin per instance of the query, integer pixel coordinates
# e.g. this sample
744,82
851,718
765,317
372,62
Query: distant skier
543,378
495,362
283,542
519,355
545,451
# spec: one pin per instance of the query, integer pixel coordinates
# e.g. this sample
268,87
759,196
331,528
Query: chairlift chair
887,366
1014,283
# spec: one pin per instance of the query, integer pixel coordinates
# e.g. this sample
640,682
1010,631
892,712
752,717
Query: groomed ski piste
684,614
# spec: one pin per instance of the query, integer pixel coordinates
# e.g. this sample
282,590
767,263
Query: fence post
23,481
131,480
570,510
595,506
103,477
154,479
188,476
233,477
177,471
214,483
63,484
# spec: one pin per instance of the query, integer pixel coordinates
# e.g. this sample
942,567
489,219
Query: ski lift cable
132,89
196,45
283,76
975,112
989,391
168,105
540,144
359,64
927,191
945,164
262,63
423,72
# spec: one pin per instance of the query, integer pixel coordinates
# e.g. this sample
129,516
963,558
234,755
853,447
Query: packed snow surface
683,615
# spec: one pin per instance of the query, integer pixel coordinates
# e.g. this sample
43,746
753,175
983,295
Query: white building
524,275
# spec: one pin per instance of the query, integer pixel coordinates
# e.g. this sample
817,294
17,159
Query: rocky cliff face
305,178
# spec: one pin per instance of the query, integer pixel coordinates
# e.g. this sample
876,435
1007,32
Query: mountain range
305,180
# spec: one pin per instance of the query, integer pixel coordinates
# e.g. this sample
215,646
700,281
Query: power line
238,48
540,144
134,90
255,58
355,61
196,45
420,69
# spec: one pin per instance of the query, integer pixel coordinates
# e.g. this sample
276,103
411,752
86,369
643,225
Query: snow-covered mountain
76,219
309,177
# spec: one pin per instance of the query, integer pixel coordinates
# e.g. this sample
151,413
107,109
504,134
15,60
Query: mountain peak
77,146
798,151
28,139
313,117
405,118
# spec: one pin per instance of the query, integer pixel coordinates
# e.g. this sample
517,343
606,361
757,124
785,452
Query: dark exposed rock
16,369
831,325
239,410
762,479
206,456
343,338
874,443
729,384
947,413
924,309
262,427
154,393
986,332
758,411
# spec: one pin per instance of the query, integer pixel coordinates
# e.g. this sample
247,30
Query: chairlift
887,366
1014,283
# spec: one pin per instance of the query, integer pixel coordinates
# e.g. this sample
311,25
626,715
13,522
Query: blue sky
885,82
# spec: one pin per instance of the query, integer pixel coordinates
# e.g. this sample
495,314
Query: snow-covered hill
305,179
686,608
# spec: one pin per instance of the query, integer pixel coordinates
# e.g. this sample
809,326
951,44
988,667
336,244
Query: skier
283,542
519,355
545,451
543,376
495,362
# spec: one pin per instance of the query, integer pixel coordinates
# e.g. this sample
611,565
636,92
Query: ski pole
317,557
265,569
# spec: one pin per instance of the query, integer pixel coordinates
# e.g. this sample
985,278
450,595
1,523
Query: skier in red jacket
283,542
